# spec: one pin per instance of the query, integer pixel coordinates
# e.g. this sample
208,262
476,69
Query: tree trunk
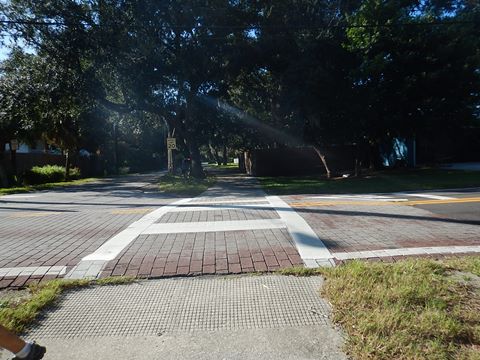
67,165
371,156
3,171
13,157
357,167
225,155
214,153
323,159
197,169
115,149
3,176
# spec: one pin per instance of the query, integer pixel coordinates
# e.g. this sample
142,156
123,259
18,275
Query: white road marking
309,246
359,198
116,244
406,251
212,207
36,270
430,196
18,196
367,197
214,226
228,201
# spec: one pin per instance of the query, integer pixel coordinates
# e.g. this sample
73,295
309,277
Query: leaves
318,71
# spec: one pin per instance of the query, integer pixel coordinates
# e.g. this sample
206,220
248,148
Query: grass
177,185
16,315
381,181
29,188
413,309
469,264
300,271
229,166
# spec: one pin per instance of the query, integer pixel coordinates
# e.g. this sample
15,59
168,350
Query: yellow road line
446,201
333,203
131,211
389,203
33,214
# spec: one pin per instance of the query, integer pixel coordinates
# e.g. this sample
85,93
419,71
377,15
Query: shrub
75,173
48,174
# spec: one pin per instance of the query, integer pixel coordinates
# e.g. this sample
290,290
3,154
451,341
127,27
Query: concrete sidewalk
223,317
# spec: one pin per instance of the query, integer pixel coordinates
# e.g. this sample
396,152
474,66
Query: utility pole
171,145
170,159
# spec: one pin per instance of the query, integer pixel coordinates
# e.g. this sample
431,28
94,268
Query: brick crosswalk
234,227
229,229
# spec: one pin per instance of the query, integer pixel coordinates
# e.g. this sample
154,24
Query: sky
3,53
4,50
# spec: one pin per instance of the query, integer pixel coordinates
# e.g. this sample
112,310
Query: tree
282,73
19,102
419,72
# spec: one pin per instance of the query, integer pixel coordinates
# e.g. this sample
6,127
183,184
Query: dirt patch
466,278
13,297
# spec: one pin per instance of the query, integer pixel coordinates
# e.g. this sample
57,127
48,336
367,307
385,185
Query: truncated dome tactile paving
156,307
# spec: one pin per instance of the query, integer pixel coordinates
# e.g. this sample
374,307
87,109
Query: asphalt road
465,211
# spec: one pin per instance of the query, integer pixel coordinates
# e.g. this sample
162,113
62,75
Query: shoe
36,353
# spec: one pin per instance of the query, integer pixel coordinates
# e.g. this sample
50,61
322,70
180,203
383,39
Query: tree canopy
241,74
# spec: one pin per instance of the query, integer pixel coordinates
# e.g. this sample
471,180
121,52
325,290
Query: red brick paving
350,228
206,253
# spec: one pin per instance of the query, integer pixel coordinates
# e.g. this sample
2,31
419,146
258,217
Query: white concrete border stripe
116,244
37,270
212,207
6,197
359,198
406,251
345,196
227,201
430,196
427,196
214,226
308,244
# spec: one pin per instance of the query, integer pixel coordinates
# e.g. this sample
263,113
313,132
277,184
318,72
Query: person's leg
10,341
21,349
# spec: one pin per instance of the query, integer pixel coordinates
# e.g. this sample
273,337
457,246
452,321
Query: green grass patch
229,166
300,271
470,264
114,280
16,190
177,185
30,188
413,309
381,181
17,314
